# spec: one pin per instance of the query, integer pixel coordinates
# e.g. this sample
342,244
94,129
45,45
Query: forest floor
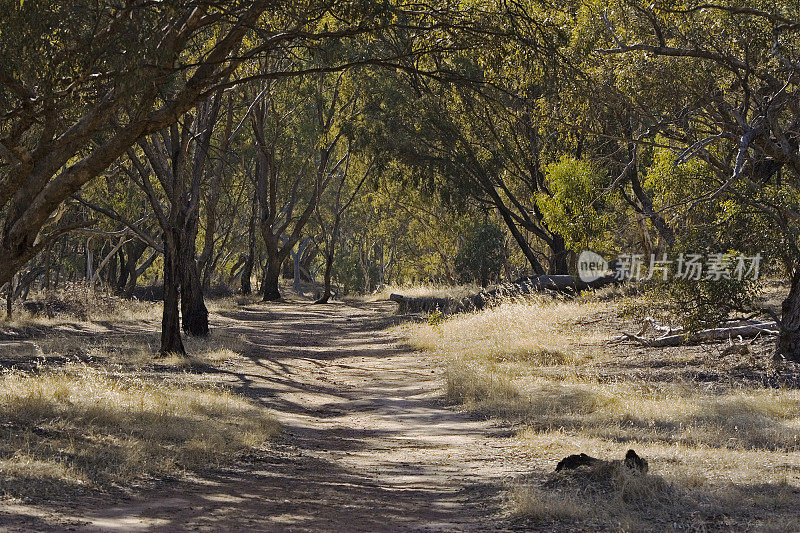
391,422
367,441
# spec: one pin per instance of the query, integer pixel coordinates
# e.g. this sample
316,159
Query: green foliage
700,304
573,207
703,303
482,254
348,271
436,318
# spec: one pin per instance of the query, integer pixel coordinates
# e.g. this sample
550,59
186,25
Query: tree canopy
375,142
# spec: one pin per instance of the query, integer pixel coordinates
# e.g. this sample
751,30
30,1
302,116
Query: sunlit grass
539,332
539,364
79,425
82,304
424,290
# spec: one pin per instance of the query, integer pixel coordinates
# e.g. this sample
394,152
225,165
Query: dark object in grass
51,308
574,461
634,462
553,284
631,461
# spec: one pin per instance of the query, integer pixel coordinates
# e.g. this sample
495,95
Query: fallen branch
521,287
706,335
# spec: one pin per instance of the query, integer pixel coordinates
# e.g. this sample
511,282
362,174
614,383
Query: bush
702,303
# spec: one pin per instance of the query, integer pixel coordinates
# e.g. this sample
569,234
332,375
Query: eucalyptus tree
717,83
332,207
177,158
80,83
295,126
469,145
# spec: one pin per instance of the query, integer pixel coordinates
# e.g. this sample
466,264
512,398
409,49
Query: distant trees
366,140
482,254
298,155
468,142
81,85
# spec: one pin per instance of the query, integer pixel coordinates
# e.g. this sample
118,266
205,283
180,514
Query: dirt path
367,441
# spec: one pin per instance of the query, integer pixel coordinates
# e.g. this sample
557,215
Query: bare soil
367,441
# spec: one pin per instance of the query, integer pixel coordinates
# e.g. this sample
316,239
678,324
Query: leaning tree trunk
170,323
271,274
789,336
137,271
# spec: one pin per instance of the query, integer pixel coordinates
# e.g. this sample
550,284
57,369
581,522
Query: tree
469,147
293,163
720,86
342,197
80,85
482,255
571,207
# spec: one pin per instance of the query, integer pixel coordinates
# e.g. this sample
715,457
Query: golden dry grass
84,305
424,290
90,405
81,426
724,450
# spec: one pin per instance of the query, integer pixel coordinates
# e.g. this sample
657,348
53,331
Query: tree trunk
170,323
130,287
296,281
132,252
558,258
247,273
89,265
647,209
271,274
47,265
297,257
247,269
10,297
326,294
788,345
194,315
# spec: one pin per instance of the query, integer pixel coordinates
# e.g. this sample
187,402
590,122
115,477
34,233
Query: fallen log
529,285
706,335
423,305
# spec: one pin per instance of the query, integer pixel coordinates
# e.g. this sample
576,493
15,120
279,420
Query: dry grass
725,452
514,333
426,290
83,304
132,349
80,426
89,405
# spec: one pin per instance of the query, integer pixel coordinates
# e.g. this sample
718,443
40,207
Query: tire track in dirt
368,444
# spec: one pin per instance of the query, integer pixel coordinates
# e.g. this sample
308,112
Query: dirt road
367,444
